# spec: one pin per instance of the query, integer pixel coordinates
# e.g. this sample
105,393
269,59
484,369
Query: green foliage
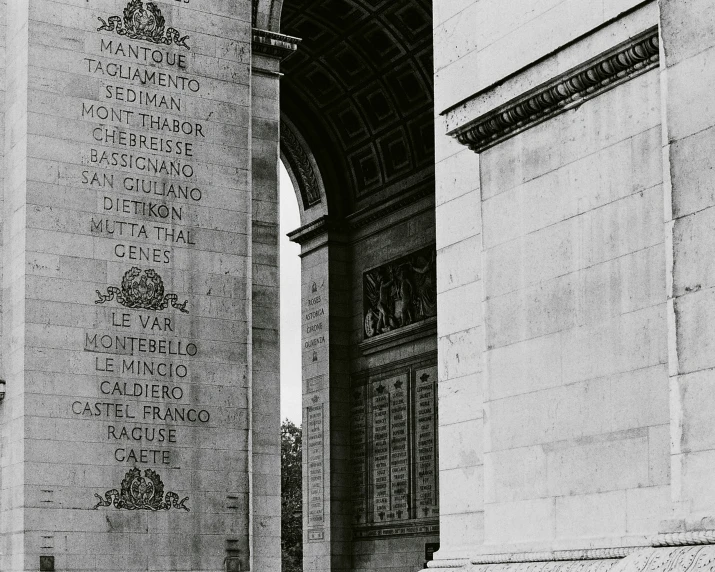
291,497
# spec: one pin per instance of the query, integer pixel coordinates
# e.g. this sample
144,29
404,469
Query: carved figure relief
143,22
400,293
141,493
142,289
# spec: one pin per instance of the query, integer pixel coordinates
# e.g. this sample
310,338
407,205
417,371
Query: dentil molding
607,70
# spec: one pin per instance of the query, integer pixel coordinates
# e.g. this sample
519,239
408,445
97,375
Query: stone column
688,83
268,50
327,512
127,287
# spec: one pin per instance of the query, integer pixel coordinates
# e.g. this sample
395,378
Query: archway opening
291,389
291,379
357,135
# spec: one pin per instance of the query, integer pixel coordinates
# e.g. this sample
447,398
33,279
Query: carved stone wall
129,331
394,450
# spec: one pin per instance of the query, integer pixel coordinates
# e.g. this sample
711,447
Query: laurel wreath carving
142,289
141,493
298,158
143,22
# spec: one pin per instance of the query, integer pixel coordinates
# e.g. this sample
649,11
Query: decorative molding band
401,336
408,529
362,377
303,170
606,565
273,44
377,211
558,555
604,72
549,566
448,564
684,538
672,559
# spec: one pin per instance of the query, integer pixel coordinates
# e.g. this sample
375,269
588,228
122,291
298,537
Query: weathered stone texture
575,320
688,39
60,452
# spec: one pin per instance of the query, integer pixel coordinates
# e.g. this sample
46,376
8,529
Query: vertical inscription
316,516
399,452
380,451
426,454
144,161
315,370
359,455
314,324
394,452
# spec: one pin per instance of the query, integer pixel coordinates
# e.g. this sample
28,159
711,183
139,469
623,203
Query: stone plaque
399,450
380,417
394,455
425,415
316,486
359,451
315,330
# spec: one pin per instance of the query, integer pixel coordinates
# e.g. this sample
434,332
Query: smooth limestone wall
74,422
460,335
688,49
478,43
576,394
569,283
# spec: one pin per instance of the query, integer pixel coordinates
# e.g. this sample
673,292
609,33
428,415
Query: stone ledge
404,528
399,336
273,44
627,559
607,70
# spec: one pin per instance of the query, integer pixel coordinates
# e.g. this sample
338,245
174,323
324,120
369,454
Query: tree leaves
291,497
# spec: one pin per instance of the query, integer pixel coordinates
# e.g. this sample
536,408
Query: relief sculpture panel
400,293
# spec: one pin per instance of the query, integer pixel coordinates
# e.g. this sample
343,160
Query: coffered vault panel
360,90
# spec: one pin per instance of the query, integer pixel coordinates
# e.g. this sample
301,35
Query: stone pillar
268,49
327,509
688,81
127,288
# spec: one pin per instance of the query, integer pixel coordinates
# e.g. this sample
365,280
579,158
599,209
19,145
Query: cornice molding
607,70
322,226
381,342
273,44
392,204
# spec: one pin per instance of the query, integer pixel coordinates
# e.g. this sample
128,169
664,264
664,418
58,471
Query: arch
357,138
303,171
359,91
267,14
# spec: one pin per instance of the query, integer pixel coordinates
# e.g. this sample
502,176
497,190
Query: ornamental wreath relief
142,289
143,22
141,493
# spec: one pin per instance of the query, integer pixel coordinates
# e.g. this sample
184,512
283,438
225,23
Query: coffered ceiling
359,89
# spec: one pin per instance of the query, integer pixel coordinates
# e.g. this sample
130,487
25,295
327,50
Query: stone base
670,559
